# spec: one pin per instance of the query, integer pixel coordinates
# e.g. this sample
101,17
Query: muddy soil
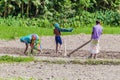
43,71
109,45
110,49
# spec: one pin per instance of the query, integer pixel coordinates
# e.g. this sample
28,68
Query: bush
107,17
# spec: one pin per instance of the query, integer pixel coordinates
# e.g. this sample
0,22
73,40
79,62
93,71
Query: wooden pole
65,54
78,48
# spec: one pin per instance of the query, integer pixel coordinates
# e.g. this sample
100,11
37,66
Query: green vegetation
111,30
7,58
17,32
103,62
11,59
18,78
66,12
84,62
7,32
23,17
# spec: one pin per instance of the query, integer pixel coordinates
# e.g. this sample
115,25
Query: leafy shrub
109,17
83,19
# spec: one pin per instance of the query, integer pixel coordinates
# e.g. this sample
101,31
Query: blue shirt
27,39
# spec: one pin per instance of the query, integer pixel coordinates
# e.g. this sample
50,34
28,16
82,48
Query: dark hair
97,22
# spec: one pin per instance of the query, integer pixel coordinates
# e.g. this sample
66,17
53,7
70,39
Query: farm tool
78,48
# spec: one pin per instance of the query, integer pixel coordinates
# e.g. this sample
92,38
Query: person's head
97,22
56,25
34,37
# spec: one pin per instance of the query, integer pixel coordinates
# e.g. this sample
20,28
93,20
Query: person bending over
31,40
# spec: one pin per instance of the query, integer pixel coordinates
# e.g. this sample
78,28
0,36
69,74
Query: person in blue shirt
33,41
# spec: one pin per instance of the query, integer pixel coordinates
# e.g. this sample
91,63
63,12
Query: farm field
75,21
109,45
44,71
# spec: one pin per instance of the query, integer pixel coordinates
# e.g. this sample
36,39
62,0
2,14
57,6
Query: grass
17,32
111,30
18,78
7,32
83,62
88,30
10,59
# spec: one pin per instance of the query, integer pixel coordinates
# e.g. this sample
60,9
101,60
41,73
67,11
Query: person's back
57,32
95,36
26,39
97,31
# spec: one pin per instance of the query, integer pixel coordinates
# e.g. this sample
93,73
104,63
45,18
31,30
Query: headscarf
56,25
34,37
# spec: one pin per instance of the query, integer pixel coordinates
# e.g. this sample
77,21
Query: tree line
55,10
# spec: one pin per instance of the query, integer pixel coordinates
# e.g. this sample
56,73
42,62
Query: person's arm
65,30
32,46
26,48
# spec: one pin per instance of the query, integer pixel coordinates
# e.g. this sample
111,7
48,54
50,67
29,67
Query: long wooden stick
65,54
78,48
